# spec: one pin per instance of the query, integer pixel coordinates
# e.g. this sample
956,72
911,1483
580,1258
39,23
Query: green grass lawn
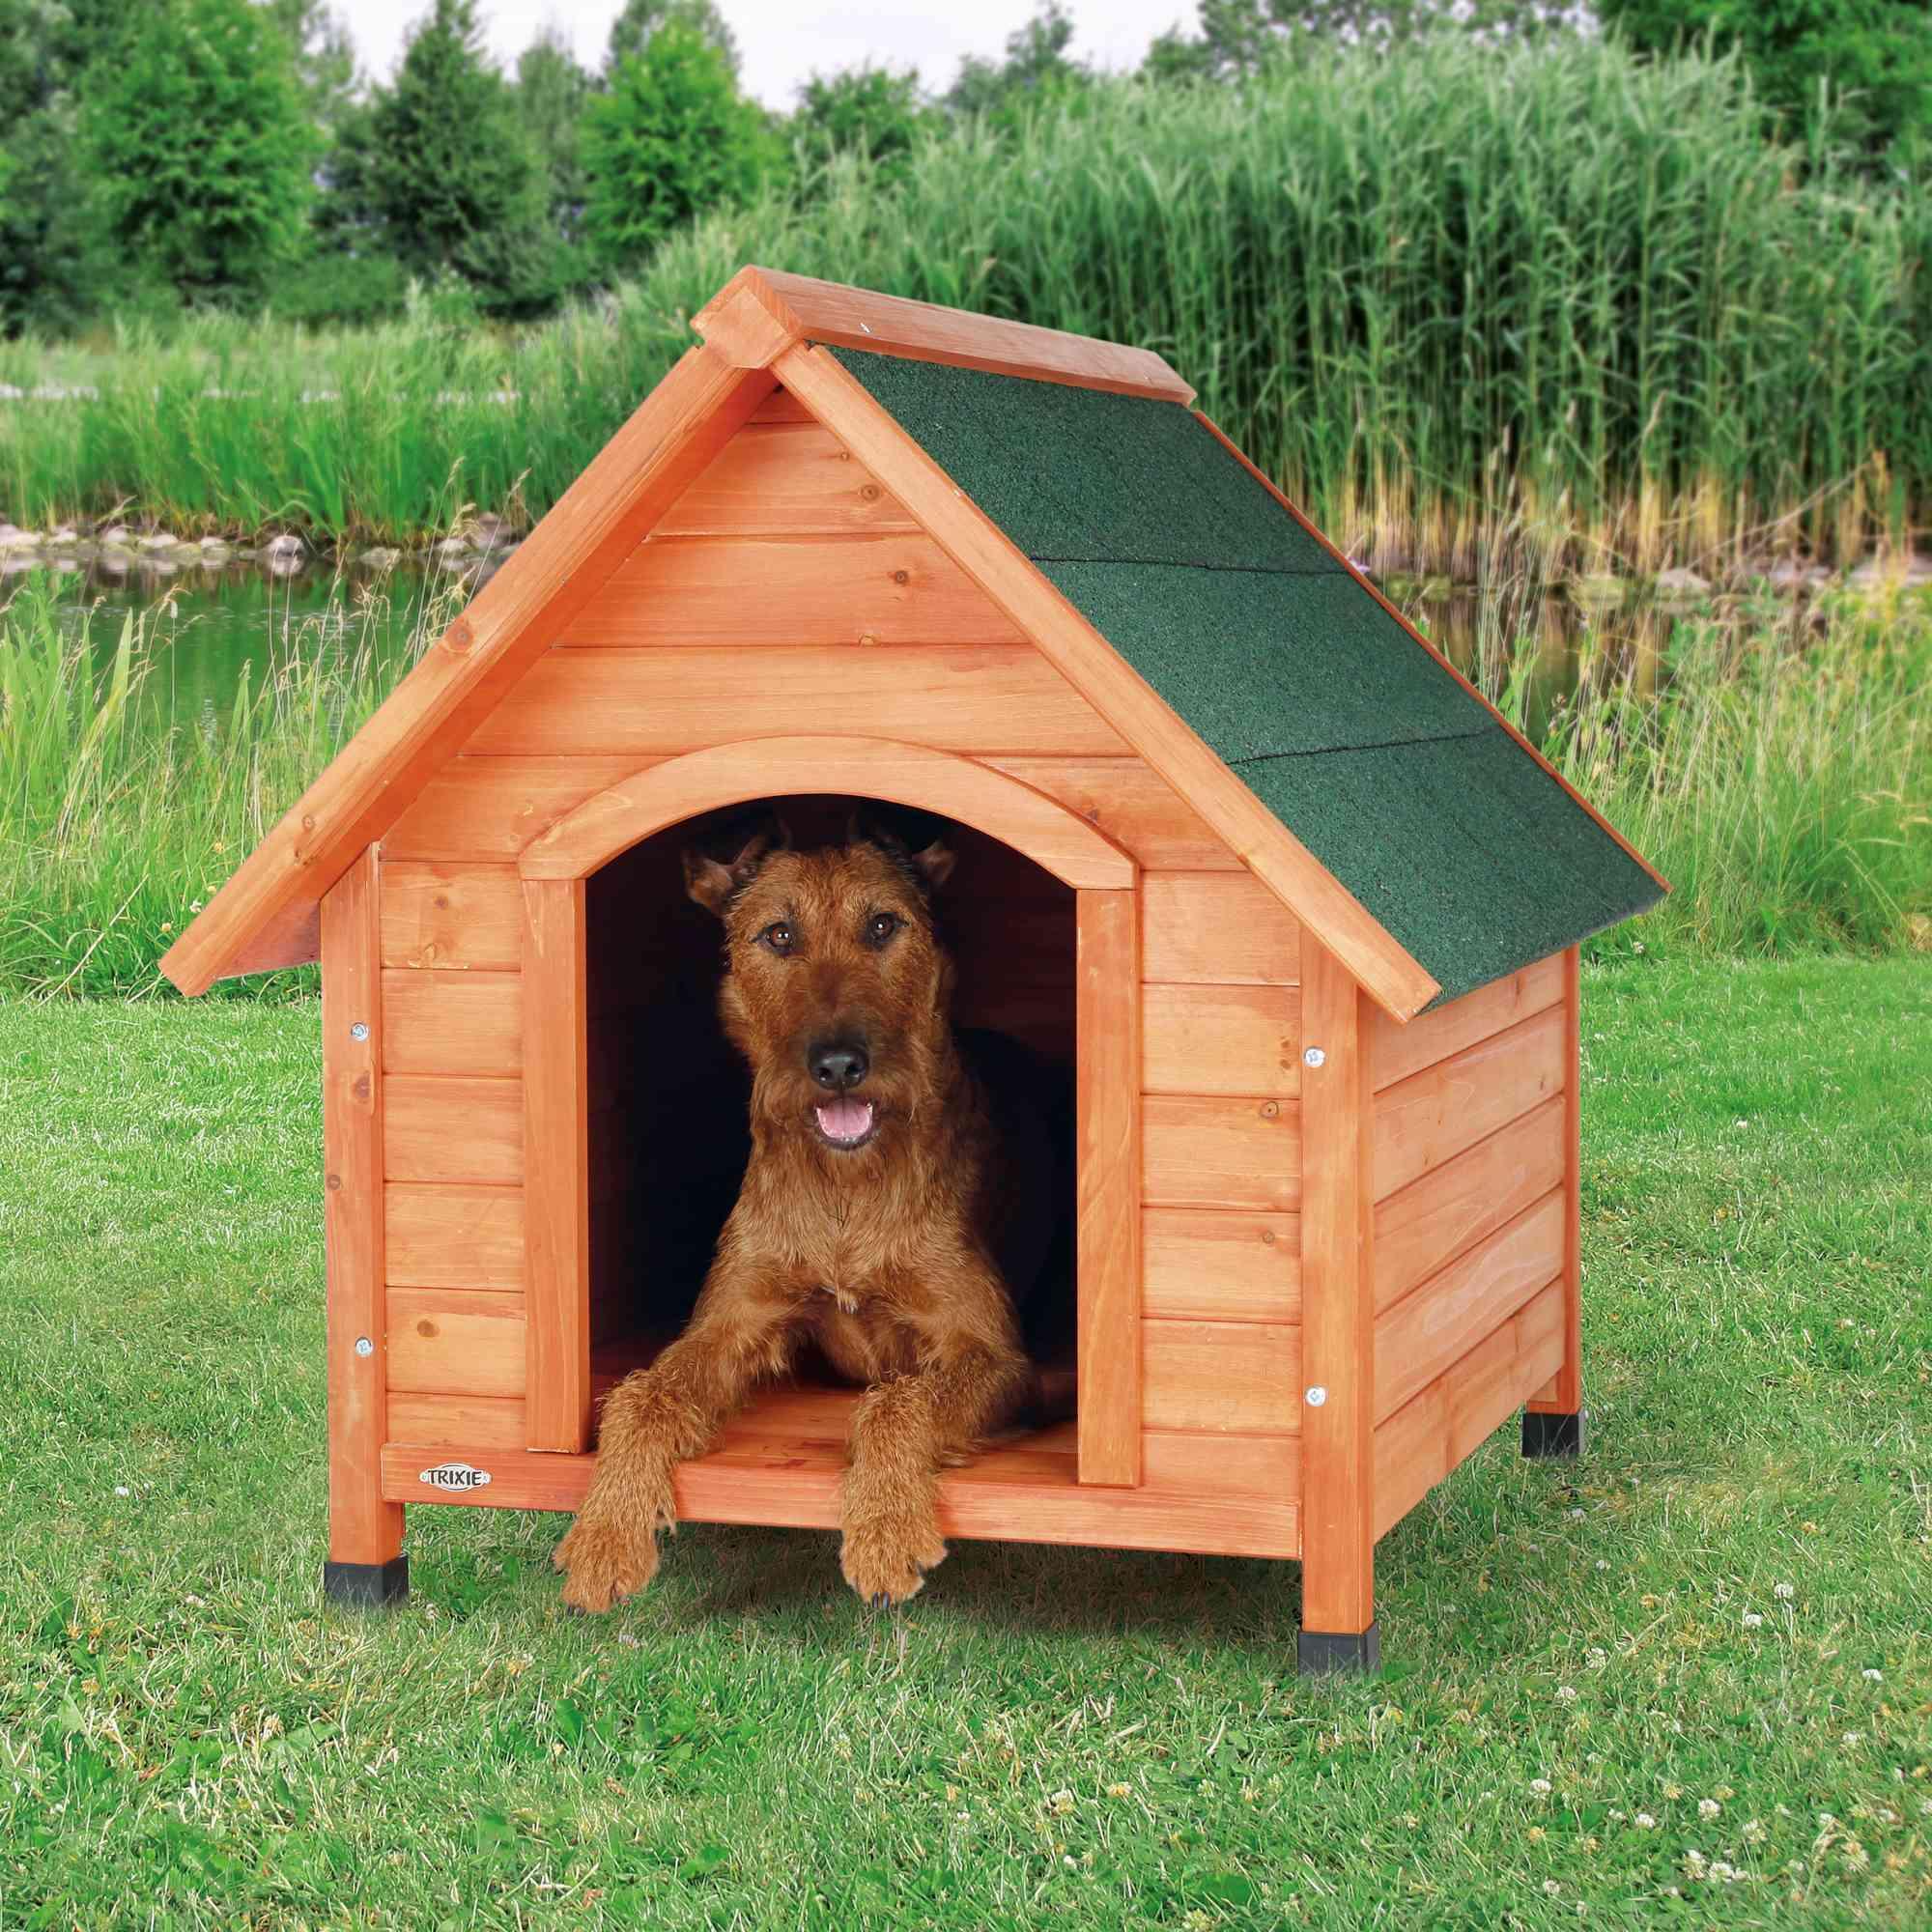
1689,1678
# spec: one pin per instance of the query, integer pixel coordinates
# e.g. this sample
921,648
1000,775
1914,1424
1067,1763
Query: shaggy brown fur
869,1222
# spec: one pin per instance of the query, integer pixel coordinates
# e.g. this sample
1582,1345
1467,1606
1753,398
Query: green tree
863,110
1238,37
36,139
670,138
444,174
1875,55
551,92
638,19
1036,63
324,55
197,143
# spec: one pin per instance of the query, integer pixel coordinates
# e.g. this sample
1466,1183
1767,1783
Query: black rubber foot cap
1552,1435
1339,1653
366,1587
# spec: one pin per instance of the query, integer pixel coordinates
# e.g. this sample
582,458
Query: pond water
212,625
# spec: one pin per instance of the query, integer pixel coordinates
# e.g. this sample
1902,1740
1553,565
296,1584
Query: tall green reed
1441,294
114,830
1781,780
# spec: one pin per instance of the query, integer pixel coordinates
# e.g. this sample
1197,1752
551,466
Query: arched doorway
1043,924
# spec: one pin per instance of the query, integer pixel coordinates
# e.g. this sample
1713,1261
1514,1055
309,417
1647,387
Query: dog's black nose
838,1066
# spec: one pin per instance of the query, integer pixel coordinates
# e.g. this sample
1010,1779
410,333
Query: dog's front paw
886,1562
605,1561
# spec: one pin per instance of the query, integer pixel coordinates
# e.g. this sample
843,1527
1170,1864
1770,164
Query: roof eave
264,916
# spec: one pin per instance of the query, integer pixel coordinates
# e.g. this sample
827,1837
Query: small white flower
1541,1786
1644,1822
1550,1887
1708,1809
122,1490
1925,1807
1753,1620
1603,1563
1827,1821
1853,1737
1871,1676
1784,1592
1566,1693
1744,1123
1722,1870
1754,1832
1576,1516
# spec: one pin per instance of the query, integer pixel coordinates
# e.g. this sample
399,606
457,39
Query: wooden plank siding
1450,1419
1434,1114
452,1023
1474,1209
777,479
774,592
971,698
452,918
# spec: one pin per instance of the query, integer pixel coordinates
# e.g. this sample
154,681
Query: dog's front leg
740,1335
903,1432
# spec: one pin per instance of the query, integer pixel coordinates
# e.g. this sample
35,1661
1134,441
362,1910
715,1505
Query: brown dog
887,1186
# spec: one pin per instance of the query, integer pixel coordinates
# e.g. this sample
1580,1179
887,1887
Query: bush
670,139
197,147
350,291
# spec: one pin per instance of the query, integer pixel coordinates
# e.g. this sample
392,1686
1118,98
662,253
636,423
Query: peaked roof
1415,833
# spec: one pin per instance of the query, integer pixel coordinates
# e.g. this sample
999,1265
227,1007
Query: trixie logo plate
454,1476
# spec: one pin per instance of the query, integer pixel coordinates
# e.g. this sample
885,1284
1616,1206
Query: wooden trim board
1108,1158
556,1166
1337,1303
761,313
722,775
1013,1494
363,1527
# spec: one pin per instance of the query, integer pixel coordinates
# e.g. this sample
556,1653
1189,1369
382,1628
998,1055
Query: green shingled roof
1357,738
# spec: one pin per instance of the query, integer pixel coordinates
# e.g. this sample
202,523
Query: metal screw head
360,1031
363,1346
1316,1396
1313,1055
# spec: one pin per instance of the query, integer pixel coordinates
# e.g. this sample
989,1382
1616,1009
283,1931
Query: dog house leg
367,1565
1544,1433
1554,1423
1337,1399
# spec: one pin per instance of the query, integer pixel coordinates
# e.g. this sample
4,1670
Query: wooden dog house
1298,904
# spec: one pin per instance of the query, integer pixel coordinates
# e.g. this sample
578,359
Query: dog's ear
911,840
716,870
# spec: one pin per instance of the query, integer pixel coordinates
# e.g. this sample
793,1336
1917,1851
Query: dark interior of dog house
668,1093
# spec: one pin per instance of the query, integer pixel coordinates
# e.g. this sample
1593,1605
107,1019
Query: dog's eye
881,926
780,937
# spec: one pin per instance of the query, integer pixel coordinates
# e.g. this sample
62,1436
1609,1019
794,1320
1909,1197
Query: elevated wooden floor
781,1462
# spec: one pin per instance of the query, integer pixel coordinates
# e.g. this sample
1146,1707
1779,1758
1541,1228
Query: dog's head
836,989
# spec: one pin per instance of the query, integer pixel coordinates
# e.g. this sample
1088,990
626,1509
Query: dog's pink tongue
845,1119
